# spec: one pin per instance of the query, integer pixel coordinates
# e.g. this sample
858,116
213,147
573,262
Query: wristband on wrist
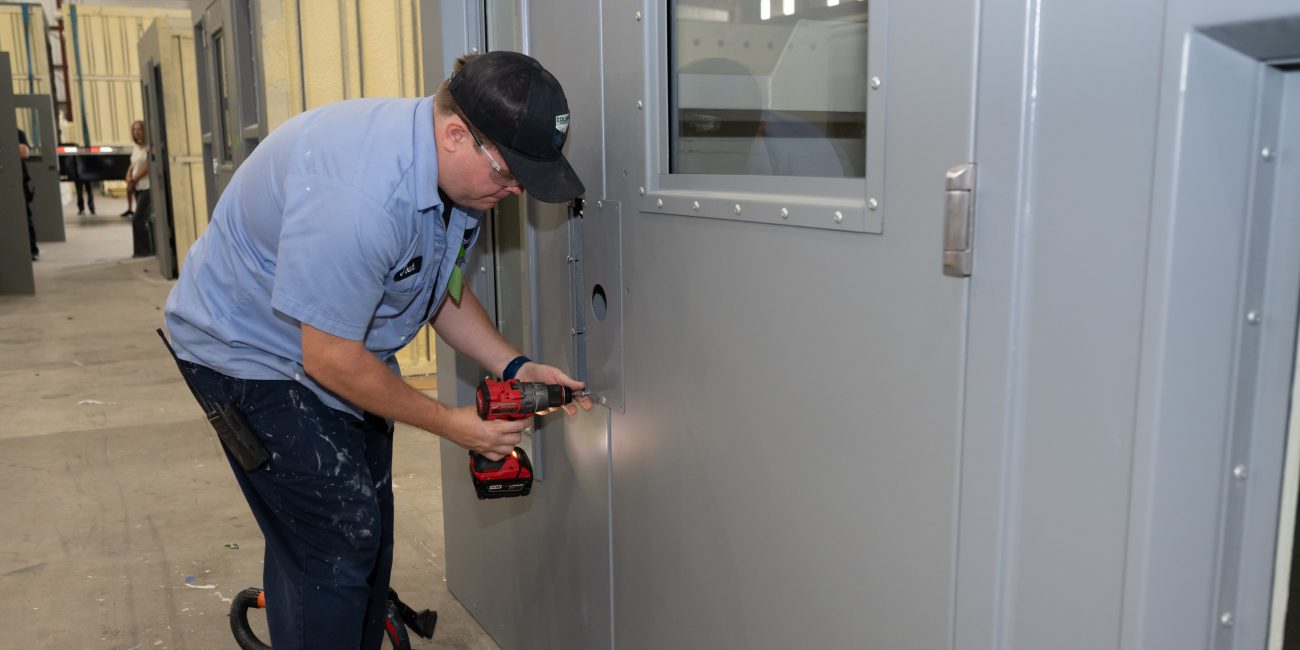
513,367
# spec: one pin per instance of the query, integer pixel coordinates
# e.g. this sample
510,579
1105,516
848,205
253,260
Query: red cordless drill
511,399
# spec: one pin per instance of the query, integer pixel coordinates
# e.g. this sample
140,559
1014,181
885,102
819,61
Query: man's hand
492,438
352,372
533,371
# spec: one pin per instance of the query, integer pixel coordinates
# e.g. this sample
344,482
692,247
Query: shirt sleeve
336,247
22,138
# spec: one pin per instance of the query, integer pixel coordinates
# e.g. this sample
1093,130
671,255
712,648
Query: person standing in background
85,191
28,193
137,183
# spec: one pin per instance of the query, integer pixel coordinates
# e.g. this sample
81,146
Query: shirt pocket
407,275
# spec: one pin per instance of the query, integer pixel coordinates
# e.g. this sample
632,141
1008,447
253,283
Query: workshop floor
120,525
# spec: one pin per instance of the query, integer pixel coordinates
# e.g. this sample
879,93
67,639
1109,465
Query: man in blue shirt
336,240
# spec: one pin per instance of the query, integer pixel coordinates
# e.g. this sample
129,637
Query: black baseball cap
521,108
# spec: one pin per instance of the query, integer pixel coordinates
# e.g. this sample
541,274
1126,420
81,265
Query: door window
768,88
503,25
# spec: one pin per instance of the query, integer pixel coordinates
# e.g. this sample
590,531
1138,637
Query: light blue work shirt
334,221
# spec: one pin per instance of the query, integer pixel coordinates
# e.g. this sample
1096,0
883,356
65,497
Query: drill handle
484,464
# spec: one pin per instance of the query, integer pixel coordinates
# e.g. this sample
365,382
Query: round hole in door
599,306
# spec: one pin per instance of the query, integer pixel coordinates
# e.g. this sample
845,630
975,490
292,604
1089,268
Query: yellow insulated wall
315,52
320,51
108,70
180,99
26,44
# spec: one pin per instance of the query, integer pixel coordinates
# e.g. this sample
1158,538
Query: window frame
847,204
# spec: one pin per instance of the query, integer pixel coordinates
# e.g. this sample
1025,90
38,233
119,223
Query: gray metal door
786,466
36,118
15,262
229,102
151,90
754,289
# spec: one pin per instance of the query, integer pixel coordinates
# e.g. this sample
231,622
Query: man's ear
455,134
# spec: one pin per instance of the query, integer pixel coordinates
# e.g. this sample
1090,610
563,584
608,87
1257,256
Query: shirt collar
426,157
426,165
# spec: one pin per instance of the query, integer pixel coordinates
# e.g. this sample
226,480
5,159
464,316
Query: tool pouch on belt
233,432
229,423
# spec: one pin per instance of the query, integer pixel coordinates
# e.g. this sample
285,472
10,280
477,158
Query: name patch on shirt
409,270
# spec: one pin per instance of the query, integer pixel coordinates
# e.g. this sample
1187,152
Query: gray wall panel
1090,175
1079,106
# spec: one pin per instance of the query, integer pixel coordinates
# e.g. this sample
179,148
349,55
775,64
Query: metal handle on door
958,220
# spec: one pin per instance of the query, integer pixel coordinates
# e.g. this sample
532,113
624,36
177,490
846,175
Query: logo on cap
562,123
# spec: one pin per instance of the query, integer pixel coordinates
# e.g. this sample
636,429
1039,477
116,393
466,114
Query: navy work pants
324,503
142,225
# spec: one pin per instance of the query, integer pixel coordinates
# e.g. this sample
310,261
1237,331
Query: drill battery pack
511,476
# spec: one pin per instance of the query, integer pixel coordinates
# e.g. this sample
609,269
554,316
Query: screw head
872,204
785,214
736,208
695,204
1253,317
875,82
1267,153
839,217
600,204
482,269
1225,619
638,16
641,191
604,400
659,203
639,105
1239,472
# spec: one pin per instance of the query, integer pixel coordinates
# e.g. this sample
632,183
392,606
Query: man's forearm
359,377
466,328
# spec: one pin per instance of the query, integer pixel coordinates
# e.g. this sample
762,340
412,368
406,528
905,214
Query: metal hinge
577,280
959,220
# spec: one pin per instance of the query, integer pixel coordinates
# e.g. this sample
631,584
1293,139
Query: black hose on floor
248,598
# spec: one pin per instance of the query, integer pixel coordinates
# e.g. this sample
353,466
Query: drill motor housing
511,399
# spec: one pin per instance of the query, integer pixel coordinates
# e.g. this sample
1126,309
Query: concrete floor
120,516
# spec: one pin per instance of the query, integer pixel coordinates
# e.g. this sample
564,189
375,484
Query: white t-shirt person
139,159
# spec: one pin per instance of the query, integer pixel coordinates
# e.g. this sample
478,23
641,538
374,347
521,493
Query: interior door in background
229,97
155,125
15,264
35,114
